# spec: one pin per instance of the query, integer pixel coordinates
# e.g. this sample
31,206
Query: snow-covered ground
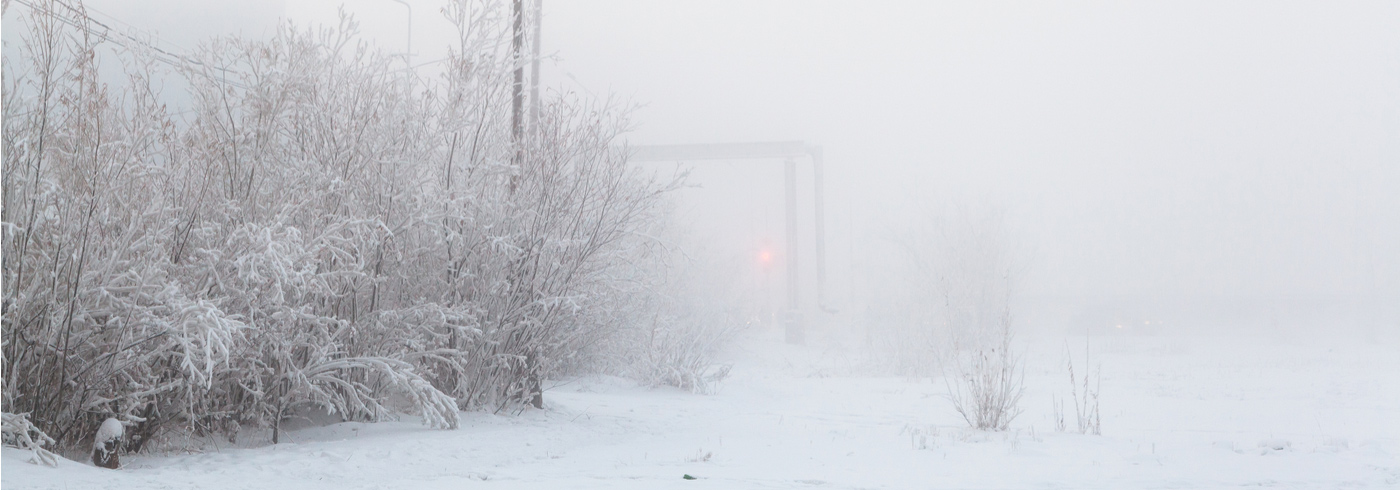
1178,412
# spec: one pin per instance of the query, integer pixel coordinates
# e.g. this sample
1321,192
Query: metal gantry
789,151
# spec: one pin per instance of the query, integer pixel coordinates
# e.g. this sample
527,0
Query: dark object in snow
104,444
105,456
688,477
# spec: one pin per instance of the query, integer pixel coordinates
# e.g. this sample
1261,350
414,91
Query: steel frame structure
789,152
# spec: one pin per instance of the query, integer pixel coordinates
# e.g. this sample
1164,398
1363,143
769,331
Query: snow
1178,412
111,429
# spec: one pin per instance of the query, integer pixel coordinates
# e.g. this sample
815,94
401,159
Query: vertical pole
516,131
819,196
792,317
769,318
535,71
518,101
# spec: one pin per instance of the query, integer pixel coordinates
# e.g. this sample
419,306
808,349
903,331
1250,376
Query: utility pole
518,88
516,131
535,71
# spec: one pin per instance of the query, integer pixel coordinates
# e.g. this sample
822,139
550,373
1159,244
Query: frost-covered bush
663,319
985,384
318,230
17,431
95,321
974,284
679,322
957,297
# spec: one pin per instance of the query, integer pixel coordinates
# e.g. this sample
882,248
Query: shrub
986,384
1086,398
317,231
959,297
17,431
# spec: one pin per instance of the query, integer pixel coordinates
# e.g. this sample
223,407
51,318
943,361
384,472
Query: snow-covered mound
111,430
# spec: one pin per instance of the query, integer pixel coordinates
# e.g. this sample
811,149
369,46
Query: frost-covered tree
316,231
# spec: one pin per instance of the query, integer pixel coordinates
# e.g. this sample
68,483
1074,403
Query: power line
121,39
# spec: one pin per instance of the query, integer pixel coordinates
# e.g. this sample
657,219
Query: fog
1226,164
774,244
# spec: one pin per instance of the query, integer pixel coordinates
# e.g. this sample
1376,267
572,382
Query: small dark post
105,444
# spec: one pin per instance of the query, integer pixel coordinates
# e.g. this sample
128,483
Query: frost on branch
19,432
679,320
317,229
958,272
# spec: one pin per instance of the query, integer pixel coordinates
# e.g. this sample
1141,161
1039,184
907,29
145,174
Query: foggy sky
1167,149
1178,148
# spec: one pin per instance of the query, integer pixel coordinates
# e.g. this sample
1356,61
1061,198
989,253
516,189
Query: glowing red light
765,256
